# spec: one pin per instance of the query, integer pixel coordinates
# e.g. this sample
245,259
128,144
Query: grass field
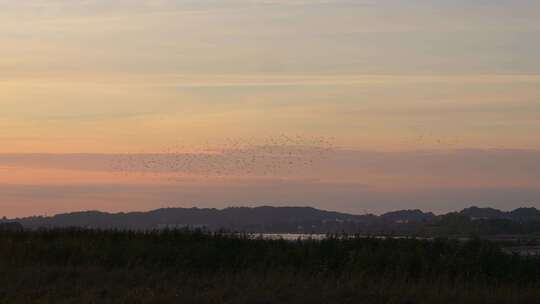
84,266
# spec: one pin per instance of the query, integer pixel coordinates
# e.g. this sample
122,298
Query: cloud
269,80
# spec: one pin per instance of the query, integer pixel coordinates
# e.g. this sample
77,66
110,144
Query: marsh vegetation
181,266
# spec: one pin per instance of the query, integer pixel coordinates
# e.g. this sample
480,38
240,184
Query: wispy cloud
264,80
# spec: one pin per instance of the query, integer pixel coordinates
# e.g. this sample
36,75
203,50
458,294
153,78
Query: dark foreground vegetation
91,266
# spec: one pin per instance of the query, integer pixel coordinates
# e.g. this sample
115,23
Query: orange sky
387,80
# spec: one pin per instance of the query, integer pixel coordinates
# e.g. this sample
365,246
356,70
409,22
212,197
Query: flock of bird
272,156
262,157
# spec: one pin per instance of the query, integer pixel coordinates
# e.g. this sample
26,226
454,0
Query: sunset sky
349,105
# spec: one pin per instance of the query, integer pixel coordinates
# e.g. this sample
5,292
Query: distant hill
520,214
409,216
484,213
260,219
266,219
525,214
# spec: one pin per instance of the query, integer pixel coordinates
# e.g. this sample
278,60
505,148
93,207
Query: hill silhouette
267,219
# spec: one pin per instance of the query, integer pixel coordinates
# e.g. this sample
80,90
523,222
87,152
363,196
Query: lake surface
303,236
290,236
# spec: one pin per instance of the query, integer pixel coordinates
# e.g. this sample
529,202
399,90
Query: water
290,236
318,237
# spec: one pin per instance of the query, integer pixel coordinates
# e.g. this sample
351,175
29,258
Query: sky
357,106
